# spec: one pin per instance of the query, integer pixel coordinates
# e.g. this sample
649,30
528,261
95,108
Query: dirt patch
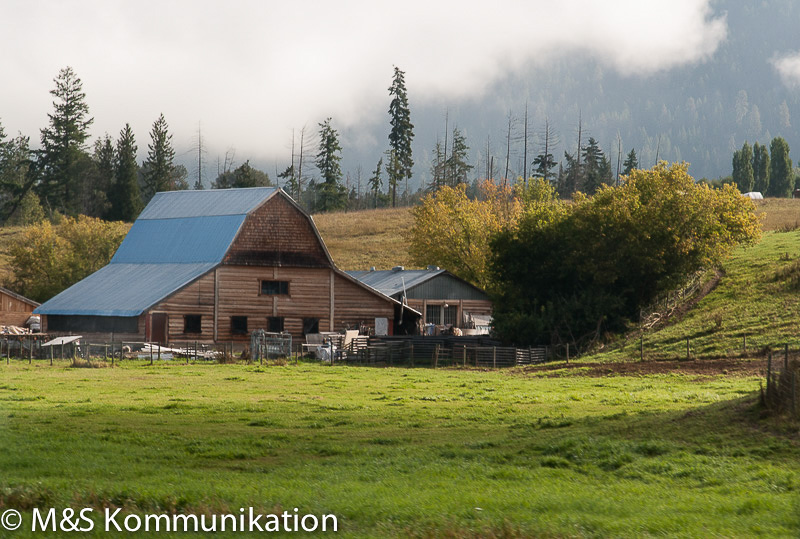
701,368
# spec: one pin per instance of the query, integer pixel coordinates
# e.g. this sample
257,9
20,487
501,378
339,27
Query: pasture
407,452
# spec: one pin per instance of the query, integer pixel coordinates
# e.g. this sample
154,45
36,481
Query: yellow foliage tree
453,231
47,258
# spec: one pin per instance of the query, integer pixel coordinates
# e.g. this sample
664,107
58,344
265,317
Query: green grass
758,297
404,452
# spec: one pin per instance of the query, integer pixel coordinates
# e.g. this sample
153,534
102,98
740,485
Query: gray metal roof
391,282
419,284
178,237
205,203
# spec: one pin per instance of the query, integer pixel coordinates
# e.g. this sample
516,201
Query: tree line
767,172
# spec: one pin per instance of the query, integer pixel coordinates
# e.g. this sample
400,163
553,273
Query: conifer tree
631,163
401,134
63,145
332,194
375,181
158,169
126,202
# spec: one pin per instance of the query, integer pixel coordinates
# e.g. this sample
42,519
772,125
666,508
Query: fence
441,352
264,345
780,394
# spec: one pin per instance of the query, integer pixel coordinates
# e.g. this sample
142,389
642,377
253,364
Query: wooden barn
212,266
441,297
15,309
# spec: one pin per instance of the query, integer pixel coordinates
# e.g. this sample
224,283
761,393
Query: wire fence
781,392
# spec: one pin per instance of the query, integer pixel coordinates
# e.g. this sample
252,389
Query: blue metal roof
182,240
205,203
123,289
178,237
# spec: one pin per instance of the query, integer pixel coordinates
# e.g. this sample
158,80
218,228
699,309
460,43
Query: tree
46,259
242,176
332,195
402,132
104,159
454,231
290,180
159,167
603,258
545,162
375,181
19,205
592,162
457,165
126,202
63,151
781,179
631,163
760,168
743,168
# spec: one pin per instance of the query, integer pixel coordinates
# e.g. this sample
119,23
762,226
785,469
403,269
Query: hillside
758,297
362,239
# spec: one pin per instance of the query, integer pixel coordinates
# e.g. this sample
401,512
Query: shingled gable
186,237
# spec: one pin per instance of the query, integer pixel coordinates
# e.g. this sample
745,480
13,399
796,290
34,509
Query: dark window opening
275,288
239,325
192,323
310,325
433,314
275,324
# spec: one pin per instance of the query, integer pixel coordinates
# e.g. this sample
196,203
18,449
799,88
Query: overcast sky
249,72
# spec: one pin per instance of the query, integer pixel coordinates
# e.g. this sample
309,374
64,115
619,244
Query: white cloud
250,71
788,67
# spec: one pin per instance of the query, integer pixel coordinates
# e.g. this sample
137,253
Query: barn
441,297
15,309
211,266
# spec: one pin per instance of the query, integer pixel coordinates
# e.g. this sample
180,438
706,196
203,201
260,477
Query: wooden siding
277,234
239,294
13,311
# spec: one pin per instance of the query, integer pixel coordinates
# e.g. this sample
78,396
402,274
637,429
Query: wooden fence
781,392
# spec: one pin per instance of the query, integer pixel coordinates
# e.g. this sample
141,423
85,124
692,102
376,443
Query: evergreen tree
743,168
19,205
781,174
290,182
592,159
126,202
437,168
457,165
760,168
63,145
631,163
375,181
570,176
104,159
242,176
331,193
544,163
402,132
159,167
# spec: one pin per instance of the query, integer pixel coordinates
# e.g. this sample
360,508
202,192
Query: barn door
158,327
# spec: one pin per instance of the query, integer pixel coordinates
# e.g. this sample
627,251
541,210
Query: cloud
788,67
249,72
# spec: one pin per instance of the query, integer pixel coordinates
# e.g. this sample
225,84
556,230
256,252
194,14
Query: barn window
275,288
450,315
310,325
433,314
239,325
275,324
192,323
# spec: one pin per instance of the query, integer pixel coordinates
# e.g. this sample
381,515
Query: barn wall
277,234
13,311
483,307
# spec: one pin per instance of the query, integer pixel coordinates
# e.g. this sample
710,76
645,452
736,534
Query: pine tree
631,162
159,167
375,181
544,161
290,181
457,165
743,168
760,168
19,205
592,160
126,202
781,174
63,148
402,132
331,194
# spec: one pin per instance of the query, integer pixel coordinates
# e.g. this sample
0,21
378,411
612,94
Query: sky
249,73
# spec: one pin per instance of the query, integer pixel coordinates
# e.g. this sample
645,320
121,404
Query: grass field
396,452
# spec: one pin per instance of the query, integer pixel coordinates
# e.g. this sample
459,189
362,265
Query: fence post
567,352
494,357
769,375
744,345
412,354
159,352
51,355
195,351
435,356
464,355
688,354
786,355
